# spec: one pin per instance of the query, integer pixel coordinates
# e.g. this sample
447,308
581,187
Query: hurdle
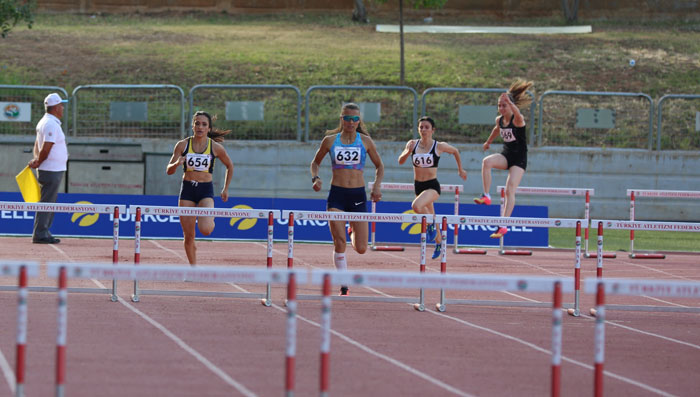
205,274
474,282
555,191
630,287
115,210
21,270
410,187
140,210
293,215
511,221
634,193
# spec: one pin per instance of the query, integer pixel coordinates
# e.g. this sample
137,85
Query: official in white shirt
50,158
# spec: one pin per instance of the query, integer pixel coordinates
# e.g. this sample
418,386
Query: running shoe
432,232
500,232
344,291
484,199
438,251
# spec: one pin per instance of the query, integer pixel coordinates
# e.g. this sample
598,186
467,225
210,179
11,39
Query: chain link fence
595,119
252,112
23,106
390,113
678,122
128,111
467,115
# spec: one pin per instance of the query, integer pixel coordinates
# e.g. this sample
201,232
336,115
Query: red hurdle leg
575,311
21,331
420,306
62,325
115,250
325,334
267,301
556,340
291,333
599,341
137,251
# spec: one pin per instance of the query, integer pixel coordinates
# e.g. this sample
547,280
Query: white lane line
663,301
543,350
208,364
8,373
159,245
666,338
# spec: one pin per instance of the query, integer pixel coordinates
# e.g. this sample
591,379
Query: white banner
16,111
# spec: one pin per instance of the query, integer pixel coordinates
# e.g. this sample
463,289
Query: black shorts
347,199
420,187
516,158
196,191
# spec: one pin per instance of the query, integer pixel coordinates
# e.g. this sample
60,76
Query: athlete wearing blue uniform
425,156
348,145
196,155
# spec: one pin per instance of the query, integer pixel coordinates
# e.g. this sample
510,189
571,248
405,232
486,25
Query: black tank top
514,138
425,160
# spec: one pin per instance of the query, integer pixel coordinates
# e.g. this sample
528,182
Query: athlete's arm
444,147
325,147
177,159
220,153
406,151
376,193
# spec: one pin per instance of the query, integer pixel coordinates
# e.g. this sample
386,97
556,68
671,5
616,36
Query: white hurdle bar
424,219
113,209
511,221
630,287
140,210
410,187
21,270
471,282
634,193
559,191
204,274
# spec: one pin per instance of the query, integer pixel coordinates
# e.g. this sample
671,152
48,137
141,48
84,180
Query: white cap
53,100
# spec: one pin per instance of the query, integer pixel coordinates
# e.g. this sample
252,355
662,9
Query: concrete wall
281,169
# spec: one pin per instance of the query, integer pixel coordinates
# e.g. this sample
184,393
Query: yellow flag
28,185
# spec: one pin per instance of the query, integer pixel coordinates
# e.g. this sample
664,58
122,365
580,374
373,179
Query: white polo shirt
49,130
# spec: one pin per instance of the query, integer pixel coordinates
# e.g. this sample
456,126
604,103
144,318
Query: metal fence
598,119
22,107
390,113
128,111
467,115
678,123
274,112
261,112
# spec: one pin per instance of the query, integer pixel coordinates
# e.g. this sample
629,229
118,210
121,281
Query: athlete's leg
515,175
495,160
188,231
423,204
206,223
360,233
337,229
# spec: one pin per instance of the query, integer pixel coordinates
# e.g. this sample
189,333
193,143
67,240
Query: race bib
423,160
347,155
507,135
197,162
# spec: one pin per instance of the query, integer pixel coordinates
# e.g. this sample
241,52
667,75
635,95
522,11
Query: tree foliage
14,11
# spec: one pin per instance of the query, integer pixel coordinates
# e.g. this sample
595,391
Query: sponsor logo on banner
522,285
16,111
84,219
243,223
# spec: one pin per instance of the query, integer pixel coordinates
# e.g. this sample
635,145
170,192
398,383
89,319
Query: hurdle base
573,312
514,252
387,248
608,255
469,251
647,256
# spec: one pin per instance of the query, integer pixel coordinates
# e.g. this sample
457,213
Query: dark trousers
49,182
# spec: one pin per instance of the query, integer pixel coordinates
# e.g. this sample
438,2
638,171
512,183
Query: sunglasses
354,119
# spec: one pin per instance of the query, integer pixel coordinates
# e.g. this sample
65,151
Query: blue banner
160,226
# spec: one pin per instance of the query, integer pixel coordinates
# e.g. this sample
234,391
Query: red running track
184,346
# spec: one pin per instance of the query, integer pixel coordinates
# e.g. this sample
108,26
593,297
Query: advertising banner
162,226
16,111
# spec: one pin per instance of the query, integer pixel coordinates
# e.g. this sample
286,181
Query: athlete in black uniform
510,125
425,156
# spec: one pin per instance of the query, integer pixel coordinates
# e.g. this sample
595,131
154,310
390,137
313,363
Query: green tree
14,11
417,4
